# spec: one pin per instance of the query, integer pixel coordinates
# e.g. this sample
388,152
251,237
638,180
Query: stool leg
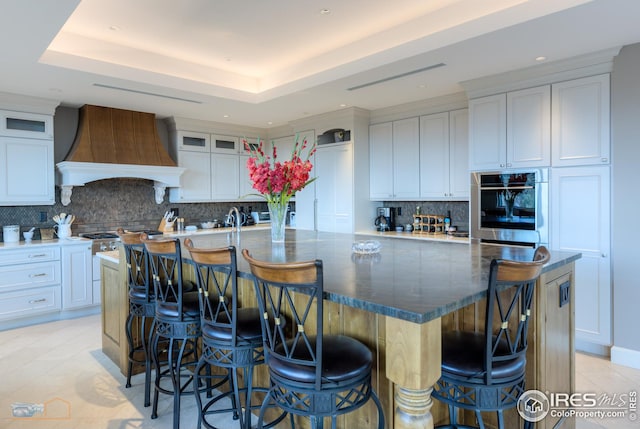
156,363
146,347
128,327
376,400
196,391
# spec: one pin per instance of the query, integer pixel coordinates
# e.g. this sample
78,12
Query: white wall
625,135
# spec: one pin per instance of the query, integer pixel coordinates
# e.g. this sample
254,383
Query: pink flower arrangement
278,181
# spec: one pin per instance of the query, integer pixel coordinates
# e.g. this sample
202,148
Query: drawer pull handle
36,301
38,275
38,255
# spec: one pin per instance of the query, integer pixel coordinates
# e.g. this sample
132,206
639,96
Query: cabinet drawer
29,275
27,256
29,302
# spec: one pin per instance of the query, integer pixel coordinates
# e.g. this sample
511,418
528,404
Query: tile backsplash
105,205
459,211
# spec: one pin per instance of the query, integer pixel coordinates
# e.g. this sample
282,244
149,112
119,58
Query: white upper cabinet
581,110
225,183
487,132
444,159
529,127
213,163
381,161
28,125
406,158
225,144
511,130
26,172
394,149
459,179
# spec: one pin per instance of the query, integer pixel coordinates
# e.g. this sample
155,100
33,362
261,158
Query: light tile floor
60,364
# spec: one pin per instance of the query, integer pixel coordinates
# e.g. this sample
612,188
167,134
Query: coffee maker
385,219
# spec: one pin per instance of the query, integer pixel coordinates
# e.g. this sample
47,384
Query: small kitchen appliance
385,219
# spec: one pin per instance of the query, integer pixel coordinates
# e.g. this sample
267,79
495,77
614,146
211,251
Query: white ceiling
263,63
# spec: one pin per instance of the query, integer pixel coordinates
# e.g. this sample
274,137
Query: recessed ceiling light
114,28
422,86
541,58
325,11
343,105
225,116
269,123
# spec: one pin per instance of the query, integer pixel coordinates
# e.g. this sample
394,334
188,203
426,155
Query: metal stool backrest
291,290
216,274
509,300
137,259
165,260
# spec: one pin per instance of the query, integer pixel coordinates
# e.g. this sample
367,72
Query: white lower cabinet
29,281
580,222
77,279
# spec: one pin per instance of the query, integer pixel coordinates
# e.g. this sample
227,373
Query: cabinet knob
605,159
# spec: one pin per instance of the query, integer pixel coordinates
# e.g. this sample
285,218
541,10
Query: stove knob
113,245
103,247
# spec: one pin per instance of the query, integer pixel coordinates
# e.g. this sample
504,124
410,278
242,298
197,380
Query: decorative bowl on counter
366,247
208,225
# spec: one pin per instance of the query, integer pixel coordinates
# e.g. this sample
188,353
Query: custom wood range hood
114,143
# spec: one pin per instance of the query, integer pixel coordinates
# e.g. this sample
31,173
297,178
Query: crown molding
594,63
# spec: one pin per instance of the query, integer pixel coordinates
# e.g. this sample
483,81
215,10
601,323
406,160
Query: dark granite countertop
408,279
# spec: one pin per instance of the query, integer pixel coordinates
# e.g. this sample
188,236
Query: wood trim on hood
116,136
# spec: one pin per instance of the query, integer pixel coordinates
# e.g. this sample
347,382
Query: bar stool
485,371
311,374
231,336
142,307
177,323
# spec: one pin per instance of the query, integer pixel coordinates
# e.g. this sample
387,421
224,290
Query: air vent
153,94
398,76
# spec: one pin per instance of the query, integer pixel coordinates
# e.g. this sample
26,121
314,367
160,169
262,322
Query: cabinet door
225,144
580,111
580,219
459,178
488,132
77,281
246,185
529,127
28,125
381,161
27,175
306,198
334,188
434,156
406,159
225,177
194,142
195,182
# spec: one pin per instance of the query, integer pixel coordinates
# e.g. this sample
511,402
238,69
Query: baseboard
626,357
592,348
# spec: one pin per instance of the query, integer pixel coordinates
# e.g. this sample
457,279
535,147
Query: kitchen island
399,301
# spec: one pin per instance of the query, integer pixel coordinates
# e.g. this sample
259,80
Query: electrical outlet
43,216
176,211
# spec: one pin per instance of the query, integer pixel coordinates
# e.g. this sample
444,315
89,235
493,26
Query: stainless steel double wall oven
510,207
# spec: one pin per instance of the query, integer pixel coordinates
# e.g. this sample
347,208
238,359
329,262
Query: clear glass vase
278,214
